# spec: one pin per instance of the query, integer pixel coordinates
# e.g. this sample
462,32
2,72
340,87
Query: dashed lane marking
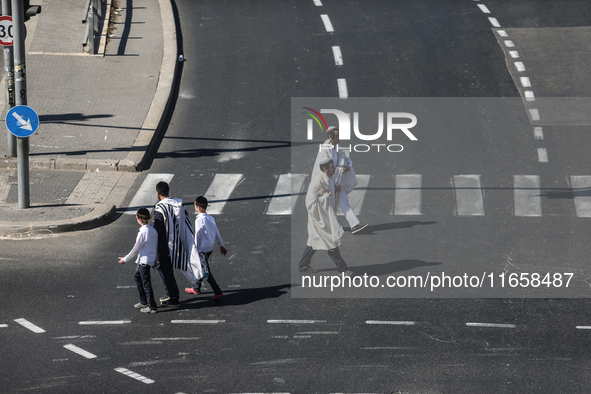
542,155
343,91
134,375
389,322
338,56
295,321
79,351
483,8
327,23
103,323
197,321
494,22
27,324
491,325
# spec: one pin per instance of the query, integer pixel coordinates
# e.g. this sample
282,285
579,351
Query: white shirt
146,246
206,233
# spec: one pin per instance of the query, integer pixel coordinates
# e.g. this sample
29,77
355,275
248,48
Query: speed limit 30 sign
6,30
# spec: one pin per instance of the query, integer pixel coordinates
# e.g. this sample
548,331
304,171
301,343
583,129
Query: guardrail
94,11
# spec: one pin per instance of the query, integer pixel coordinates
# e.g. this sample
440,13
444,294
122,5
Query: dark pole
9,80
20,94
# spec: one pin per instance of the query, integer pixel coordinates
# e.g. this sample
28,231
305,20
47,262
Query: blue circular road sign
22,121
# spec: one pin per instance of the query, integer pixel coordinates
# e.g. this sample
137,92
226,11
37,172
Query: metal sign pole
9,80
20,90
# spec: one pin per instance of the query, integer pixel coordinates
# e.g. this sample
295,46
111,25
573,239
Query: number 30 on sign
6,30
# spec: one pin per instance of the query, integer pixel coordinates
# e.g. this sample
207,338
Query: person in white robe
344,175
324,230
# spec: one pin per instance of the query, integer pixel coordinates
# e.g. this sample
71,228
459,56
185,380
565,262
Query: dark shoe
148,310
216,296
308,269
190,290
359,227
170,302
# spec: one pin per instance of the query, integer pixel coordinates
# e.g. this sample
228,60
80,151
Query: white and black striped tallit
181,243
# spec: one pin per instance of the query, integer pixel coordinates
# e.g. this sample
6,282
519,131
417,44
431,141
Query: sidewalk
98,114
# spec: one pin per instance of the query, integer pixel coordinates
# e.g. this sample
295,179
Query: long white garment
324,230
340,159
181,244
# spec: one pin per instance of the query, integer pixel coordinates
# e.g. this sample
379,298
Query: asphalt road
245,61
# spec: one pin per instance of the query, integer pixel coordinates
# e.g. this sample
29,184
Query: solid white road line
542,155
146,194
492,325
583,327
387,322
134,375
581,186
469,197
494,22
220,190
286,194
103,323
343,91
527,198
407,197
327,23
79,351
27,324
338,56
357,196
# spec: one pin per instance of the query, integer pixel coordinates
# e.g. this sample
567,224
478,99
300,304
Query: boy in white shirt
146,248
206,234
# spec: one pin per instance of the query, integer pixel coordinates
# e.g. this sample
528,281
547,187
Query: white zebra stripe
146,194
469,196
286,194
528,201
408,194
357,196
220,190
581,186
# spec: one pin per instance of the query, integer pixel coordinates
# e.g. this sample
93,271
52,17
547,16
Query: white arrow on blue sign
22,121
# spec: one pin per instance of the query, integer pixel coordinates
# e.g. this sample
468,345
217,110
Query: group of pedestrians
172,243
333,178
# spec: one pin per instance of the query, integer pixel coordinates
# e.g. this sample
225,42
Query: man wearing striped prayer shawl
176,244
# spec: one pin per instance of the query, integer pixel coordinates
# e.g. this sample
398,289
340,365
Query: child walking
206,234
146,247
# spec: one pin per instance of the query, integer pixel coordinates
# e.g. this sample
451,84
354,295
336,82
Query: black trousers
144,285
167,274
210,279
334,254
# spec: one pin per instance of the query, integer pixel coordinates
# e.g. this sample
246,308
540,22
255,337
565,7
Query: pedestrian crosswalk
405,198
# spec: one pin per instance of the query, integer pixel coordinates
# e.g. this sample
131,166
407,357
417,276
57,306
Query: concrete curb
100,214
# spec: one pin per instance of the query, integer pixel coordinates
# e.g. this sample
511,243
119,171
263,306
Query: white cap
325,161
330,128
